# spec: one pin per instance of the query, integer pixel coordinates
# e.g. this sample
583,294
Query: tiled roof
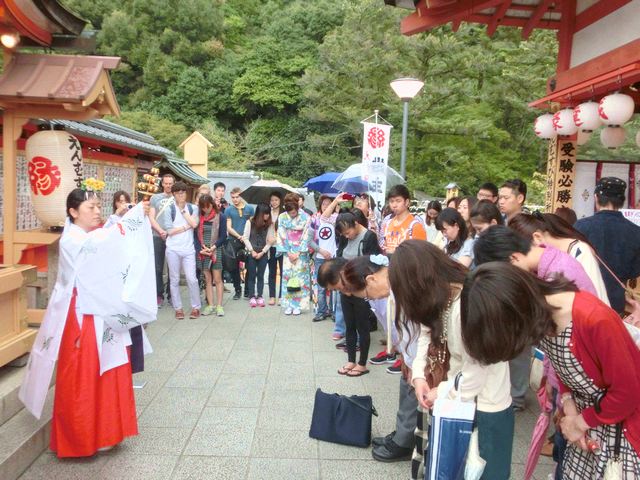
182,169
103,130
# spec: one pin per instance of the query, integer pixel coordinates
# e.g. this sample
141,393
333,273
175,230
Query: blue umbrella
322,184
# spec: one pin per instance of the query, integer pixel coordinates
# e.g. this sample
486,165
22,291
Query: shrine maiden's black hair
75,199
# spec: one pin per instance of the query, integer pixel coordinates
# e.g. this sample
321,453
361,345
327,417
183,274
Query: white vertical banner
375,156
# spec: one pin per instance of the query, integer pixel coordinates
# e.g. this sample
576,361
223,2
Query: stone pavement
231,398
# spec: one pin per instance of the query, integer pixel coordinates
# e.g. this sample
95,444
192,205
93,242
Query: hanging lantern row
613,111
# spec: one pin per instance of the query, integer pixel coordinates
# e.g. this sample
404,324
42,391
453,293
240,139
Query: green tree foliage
280,86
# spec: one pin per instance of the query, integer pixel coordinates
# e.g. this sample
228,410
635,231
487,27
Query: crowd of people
469,288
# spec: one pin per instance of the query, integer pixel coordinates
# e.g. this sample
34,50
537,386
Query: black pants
255,271
273,263
237,281
356,313
159,248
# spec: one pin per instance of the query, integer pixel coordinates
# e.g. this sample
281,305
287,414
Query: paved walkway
231,398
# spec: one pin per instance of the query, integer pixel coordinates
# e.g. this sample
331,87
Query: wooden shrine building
598,54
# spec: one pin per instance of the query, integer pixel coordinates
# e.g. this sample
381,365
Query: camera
130,206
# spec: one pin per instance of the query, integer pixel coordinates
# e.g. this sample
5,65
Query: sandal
356,373
345,370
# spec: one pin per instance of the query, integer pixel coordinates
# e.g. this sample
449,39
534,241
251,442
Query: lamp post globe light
405,89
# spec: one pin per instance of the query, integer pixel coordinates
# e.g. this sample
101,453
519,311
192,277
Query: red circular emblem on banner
376,137
44,177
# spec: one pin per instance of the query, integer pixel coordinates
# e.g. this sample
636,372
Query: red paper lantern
55,168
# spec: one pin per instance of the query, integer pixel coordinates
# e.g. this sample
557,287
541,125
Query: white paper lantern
583,137
616,109
613,137
586,116
55,168
543,126
563,122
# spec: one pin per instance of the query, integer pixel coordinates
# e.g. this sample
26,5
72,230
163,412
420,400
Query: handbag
449,436
342,419
438,355
229,257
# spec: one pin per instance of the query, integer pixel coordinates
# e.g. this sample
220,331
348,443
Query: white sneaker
288,311
296,311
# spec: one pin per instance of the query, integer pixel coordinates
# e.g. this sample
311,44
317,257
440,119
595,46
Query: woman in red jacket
505,309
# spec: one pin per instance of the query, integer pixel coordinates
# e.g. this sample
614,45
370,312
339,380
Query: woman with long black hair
259,235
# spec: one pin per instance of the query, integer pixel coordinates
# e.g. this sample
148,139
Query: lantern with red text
563,122
616,109
586,116
613,137
54,165
543,126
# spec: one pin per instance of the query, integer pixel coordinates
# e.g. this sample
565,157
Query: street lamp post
405,89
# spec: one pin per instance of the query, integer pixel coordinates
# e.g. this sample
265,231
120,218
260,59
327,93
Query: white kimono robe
113,271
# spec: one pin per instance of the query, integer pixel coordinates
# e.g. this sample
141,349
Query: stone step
23,439
10,380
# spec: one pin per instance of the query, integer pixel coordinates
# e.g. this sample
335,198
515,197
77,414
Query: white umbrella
260,192
351,179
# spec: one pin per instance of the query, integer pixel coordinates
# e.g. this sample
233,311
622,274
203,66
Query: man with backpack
180,248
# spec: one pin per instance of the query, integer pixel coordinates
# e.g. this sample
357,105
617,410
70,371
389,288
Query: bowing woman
505,310
100,293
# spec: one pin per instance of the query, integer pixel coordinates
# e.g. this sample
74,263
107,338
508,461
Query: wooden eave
39,20
59,86
525,14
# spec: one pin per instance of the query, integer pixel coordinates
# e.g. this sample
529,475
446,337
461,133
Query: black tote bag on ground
341,419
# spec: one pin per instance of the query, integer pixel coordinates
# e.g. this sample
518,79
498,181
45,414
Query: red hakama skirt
90,411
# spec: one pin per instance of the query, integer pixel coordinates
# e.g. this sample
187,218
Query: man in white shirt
180,251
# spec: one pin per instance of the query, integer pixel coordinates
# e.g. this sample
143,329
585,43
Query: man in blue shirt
237,215
616,239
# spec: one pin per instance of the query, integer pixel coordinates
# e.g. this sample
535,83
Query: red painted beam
26,25
422,19
497,17
535,17
597,11
592,87
517,22
565,34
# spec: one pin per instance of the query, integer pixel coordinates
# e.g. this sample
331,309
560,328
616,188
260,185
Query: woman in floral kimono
292,243
101,292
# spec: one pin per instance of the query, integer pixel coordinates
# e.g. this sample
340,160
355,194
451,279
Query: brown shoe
179,314
195,313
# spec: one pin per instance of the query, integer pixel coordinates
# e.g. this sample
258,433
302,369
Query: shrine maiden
100,293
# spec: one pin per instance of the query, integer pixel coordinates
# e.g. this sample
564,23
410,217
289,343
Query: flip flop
356,373
345,371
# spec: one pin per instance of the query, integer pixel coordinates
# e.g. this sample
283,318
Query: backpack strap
173,210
